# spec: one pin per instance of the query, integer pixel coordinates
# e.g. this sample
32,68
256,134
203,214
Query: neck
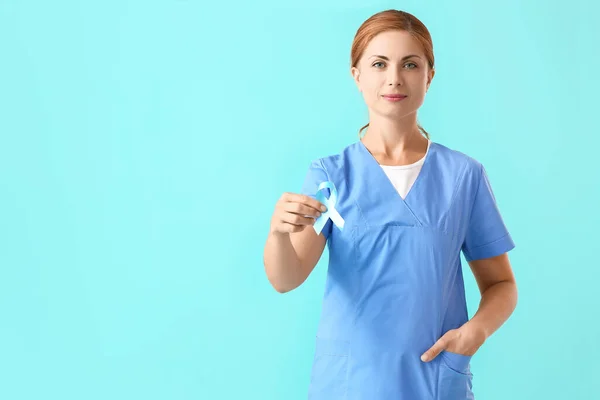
394,140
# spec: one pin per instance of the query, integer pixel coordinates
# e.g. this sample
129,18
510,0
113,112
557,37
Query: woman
394,322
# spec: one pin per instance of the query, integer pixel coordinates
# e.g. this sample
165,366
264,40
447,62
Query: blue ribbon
331,212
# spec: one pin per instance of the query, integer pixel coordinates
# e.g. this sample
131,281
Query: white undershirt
403,176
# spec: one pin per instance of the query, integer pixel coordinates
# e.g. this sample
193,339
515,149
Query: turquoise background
143,145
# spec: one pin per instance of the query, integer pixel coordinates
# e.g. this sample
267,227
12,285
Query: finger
434,350
301,209
295,219
291,228
309,201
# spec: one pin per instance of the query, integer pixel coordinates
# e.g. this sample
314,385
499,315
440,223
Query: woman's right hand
294,212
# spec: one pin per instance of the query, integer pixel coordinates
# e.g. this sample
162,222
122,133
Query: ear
431,75
356,76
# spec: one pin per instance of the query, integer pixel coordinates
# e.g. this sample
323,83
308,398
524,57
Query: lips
394,96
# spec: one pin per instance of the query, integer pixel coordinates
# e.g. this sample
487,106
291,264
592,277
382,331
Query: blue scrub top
394,280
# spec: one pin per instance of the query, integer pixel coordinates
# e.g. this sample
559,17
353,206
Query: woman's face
393,63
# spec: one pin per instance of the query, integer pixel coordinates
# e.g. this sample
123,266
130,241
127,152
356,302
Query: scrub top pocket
328,376
455,381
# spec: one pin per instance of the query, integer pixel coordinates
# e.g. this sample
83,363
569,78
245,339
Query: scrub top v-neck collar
383,185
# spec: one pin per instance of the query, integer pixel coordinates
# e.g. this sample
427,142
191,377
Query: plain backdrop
143,145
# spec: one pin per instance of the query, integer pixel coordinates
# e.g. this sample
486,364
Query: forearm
496,305
282,265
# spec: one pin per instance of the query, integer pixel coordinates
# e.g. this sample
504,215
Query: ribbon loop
330,203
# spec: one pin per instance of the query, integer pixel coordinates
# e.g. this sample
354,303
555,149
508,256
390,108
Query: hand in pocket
465,341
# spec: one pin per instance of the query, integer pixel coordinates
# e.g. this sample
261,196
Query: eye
410,63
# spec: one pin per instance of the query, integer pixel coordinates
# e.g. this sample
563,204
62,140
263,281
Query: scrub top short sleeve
486,235
314,177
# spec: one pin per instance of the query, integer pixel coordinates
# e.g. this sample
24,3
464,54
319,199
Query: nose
395,77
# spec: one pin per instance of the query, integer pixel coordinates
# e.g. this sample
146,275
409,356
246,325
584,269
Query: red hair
392,20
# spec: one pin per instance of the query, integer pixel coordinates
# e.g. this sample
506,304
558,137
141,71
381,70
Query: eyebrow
403,58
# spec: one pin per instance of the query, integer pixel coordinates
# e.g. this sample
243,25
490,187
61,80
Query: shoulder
456,157
332,162
465,165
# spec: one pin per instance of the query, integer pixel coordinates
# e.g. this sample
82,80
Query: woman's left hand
465,340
